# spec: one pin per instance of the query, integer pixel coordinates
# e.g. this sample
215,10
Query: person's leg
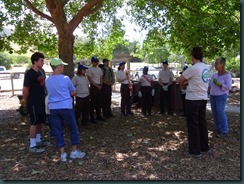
57,120
222,118
78,108
110,101
143,100
123,98
128,101
203,129
149,101
213,103
69,119
92,102
161,101
85,110
167,94
192,111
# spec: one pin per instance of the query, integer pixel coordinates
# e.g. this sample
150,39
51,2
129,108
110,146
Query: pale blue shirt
59,88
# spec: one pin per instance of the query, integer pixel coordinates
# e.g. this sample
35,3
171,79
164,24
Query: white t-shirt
81,84
120,76
146,82
197,77
95,73
165,75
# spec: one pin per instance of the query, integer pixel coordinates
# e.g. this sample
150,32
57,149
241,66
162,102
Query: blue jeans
218,110
58,118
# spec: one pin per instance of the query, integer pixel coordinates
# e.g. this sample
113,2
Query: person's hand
216,82
99,87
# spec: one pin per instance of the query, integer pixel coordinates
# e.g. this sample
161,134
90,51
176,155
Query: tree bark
65,50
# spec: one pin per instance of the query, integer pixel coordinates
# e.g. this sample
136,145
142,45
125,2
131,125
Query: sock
38,137
32,142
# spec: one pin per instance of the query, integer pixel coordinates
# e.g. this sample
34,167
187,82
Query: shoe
130,113
63,157
192,155
123,114
221,135
160,112
42,143
77,154
100,118
170,113
206,152
35,149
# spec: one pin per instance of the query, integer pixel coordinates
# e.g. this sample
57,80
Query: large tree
212,24
34,22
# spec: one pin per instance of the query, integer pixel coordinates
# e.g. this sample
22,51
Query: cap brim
63,63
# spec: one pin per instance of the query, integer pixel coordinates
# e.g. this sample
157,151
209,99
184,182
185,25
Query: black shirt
36,83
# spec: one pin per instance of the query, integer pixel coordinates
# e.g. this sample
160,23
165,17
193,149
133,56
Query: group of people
90,85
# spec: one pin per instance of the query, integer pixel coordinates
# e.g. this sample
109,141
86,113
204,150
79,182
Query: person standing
219,87
107,81
183,94
165,79
146,82
197,76
82,95
124,79
94,74
34,97
60,102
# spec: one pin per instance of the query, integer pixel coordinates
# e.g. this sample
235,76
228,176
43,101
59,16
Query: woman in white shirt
123,78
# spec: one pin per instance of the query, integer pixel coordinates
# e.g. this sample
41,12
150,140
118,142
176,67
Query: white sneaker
77,154
63,157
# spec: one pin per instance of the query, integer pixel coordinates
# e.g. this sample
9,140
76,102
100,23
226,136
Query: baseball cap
80,67
145,68
57,61
165,62
94,59
105,60
121,63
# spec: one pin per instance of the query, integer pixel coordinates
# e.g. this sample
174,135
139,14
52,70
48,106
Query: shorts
37,114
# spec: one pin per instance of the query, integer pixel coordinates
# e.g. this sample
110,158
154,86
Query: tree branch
90,8
36,11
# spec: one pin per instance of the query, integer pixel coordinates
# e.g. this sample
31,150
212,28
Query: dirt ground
122,148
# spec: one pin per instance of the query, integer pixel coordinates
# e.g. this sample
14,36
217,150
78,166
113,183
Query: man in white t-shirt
94,74
197,77
165,78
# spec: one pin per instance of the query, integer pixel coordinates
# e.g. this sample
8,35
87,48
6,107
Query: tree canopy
49,26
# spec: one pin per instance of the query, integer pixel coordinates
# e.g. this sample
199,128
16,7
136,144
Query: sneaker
63,157
35,149
192,155
77,154
130,113
42,143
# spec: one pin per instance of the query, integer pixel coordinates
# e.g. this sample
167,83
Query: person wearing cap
146,82
34,98
165,78
183,93
60,102
94,74
124,79
198,77
82,95
108,81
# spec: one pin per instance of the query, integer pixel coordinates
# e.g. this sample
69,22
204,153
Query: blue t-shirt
59,88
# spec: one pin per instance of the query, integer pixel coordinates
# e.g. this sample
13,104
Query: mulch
122,148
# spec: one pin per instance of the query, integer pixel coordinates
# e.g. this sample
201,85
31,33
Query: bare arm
25,93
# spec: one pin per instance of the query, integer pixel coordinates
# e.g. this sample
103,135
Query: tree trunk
65,49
